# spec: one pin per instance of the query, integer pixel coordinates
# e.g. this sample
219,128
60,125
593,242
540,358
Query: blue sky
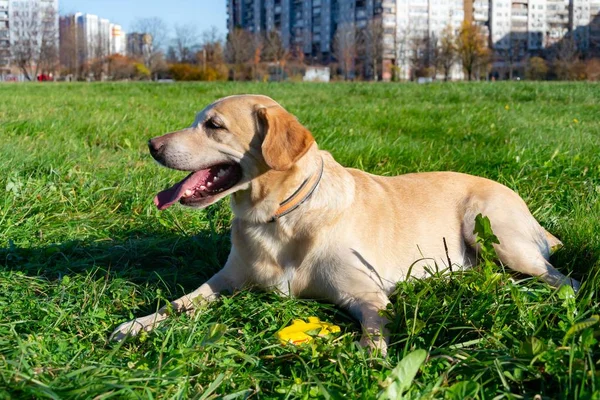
203,13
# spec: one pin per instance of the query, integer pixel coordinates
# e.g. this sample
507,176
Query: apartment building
514,28
594,28
87,37
309,26
4,38
118,40
522,28
139,44
418,19
18,20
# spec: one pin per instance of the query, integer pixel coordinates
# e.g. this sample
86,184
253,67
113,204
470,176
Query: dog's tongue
168,197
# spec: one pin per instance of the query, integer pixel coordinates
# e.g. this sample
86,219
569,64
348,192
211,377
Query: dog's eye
213,124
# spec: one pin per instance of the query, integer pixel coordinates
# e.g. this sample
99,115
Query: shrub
121,67
141,71
189,72
592,69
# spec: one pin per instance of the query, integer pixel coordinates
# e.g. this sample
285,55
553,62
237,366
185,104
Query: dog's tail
553,242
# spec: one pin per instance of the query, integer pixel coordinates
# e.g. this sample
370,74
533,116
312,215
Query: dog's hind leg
524,245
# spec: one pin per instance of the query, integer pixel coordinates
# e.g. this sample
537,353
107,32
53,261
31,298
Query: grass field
82,247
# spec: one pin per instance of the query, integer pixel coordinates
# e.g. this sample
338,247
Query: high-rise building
88,38
514,28
85,38
28,30
4,38
69,43
419,19
139,44
594,28
523,28
118,40
309,26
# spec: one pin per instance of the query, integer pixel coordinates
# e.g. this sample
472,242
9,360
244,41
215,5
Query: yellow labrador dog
306,226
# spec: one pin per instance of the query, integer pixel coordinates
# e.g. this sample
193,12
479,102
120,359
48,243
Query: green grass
82,247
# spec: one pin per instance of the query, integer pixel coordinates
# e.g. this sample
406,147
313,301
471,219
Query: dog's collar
303,193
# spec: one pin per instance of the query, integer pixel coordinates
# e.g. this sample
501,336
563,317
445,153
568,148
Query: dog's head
231,142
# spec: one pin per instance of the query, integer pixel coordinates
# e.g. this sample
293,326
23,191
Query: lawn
82,247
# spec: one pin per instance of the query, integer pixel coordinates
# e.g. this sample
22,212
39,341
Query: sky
203,13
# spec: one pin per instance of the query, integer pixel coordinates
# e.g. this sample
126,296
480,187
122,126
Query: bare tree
158,31
69,59
211,48
257,56
424,55
240,49
344,48
403,51
273,49
35,38
275,52
447,51
186,38
370,46
565,55
100,50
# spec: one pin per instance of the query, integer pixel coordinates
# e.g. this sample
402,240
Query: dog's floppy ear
286,140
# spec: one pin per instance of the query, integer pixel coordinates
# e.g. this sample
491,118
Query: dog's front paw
134,327
574,284
376,344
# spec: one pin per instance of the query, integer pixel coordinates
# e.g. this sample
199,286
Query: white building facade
86,38
118,40
514,28
20,22
424,19
4,38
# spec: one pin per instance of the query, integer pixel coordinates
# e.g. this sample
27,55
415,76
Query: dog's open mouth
200,186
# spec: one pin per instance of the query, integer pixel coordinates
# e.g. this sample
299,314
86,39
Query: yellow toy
303,332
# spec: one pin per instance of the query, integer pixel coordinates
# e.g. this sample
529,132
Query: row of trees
357,53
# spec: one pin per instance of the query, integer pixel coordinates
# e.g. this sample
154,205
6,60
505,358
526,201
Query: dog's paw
376,344
133,328
574,284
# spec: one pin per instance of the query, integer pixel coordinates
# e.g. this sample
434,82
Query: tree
100,50
472,48
592,69
344,47
186,38
403,44
239,50
35,39
370,47
424,55
565,55
158,31
258,47
537,69
275,52
212,47
447,52
121,67
273,49
69,59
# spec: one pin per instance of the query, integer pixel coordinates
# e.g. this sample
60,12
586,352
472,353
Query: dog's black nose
155,145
